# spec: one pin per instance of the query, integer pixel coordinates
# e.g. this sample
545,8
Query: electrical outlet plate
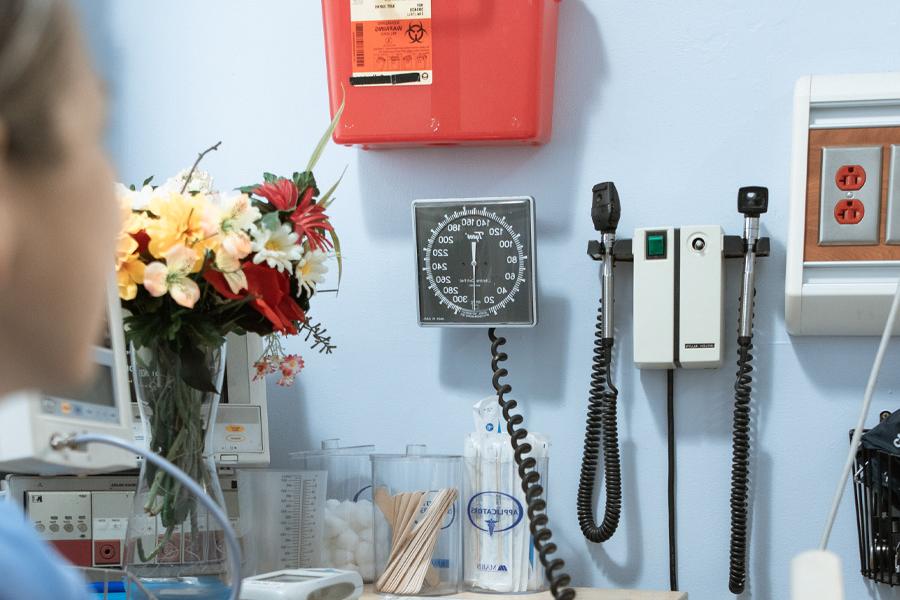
892,229
842,290
861,199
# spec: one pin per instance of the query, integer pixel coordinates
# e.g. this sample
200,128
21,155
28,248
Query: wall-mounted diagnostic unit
678,322
843,251
439,72
678,296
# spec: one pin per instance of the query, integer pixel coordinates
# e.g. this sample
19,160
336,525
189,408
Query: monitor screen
94,401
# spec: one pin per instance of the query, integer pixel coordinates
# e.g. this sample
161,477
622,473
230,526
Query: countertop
583,594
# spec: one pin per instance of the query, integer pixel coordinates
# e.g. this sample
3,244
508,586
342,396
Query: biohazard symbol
416,32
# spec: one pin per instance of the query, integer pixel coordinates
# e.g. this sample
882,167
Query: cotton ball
333,526
343,510
331,504
362,515
365,553
347,540
341,557
367,535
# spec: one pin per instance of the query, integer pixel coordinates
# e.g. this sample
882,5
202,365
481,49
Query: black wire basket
876,489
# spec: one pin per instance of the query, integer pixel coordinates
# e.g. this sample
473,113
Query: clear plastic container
282,514
499,555
347,540
418,537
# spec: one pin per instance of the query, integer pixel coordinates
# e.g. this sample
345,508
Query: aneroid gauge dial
475,262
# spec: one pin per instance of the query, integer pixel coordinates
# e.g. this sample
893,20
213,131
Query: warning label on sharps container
391,42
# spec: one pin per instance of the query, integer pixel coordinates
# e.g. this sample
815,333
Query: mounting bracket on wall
843,248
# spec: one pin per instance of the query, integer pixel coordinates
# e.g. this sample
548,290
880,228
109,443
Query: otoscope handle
605,213
752,202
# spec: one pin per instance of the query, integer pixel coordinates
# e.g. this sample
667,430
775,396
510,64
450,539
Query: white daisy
311,271
278,248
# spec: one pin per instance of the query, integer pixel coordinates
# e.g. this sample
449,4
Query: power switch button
656,245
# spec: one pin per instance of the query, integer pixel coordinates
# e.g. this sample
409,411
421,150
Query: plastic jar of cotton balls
347,537
347,542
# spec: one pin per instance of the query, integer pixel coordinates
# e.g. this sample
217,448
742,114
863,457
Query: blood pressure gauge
475,262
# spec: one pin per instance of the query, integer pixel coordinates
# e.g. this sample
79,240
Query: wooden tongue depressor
410,562
400,562
400,511
403,528
419,574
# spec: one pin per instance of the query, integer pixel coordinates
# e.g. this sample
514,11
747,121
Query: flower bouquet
194,265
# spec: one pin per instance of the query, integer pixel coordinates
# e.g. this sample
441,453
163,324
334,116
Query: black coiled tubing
740,467
531,480
602,431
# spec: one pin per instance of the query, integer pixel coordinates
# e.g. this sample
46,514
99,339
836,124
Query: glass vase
173,544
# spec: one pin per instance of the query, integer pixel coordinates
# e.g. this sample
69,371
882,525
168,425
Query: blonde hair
32,66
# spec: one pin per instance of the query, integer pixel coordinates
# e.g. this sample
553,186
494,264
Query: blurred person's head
58,217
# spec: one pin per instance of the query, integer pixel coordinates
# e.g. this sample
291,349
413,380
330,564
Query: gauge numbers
475,262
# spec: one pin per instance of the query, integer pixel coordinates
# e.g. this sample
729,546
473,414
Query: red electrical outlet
850,178
107,552
849,212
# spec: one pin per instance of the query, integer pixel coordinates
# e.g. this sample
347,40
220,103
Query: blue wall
680,104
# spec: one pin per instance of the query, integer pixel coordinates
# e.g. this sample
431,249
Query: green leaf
270,177
147,181
194,370
326,199
337,254
307,180
247,189
271,221
317,153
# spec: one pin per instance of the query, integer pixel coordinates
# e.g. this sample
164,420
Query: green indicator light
656,246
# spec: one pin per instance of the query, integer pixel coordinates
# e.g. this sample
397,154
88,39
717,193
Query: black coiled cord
601,430
531,479
740,467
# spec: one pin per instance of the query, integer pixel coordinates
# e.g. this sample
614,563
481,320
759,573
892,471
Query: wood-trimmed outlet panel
868,136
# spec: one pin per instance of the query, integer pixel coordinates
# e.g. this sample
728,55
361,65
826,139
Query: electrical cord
864,412
531,479
234,549
740,467
601,430
670,433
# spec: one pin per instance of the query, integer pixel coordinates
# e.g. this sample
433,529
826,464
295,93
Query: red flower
281,194
143,241
311,221
271,293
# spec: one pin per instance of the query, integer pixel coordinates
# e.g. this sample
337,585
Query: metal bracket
621,250
733,248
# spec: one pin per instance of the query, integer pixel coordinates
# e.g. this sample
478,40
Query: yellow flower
129,268
182,219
